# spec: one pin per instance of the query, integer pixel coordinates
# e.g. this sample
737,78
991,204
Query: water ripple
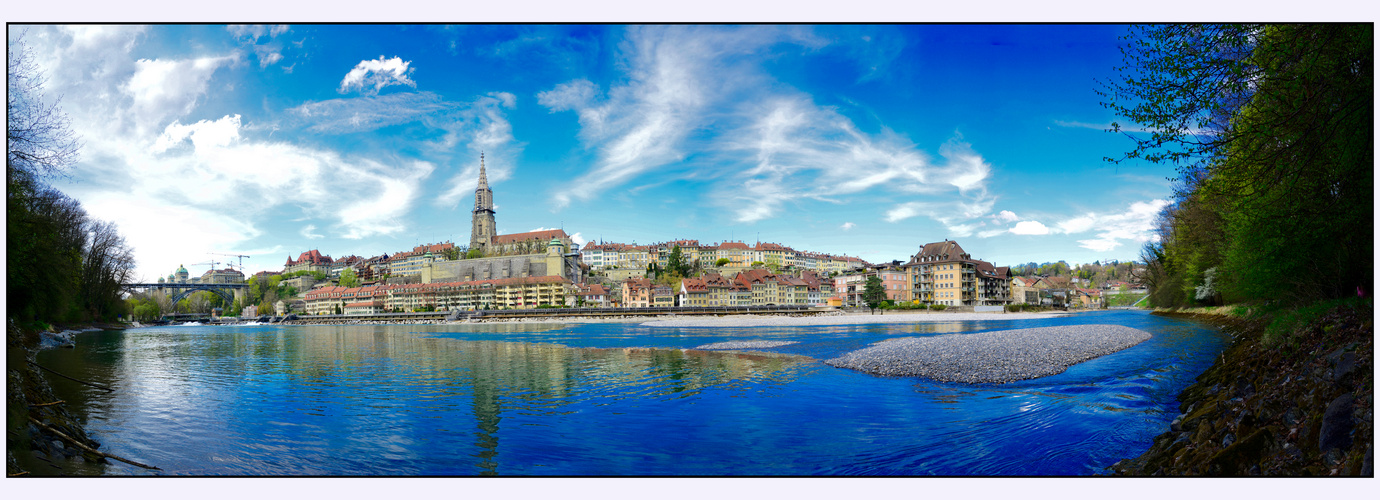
607,400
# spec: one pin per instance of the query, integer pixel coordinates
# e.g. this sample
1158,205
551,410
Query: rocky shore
41,437
992,357
1300,407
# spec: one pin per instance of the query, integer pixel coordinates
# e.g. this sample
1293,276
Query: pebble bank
992,357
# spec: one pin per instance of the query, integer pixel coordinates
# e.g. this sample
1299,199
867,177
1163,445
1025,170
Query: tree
873,293
348,279
474,253
1270,127
107,265
723,261
39,141
675,263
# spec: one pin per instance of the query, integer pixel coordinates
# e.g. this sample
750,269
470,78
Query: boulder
1336,424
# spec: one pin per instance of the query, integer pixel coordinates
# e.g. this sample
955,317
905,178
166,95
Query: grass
1123,299
1289,322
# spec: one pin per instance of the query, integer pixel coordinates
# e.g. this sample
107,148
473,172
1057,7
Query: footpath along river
609,399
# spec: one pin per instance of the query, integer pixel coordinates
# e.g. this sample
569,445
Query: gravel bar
747,320
747,344
992,357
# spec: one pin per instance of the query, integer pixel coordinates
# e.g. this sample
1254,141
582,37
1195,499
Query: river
606,400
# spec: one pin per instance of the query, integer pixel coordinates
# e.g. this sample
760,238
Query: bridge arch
228,297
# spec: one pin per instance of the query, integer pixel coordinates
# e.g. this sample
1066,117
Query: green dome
555,242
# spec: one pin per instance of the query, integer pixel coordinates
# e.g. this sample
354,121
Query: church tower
482,228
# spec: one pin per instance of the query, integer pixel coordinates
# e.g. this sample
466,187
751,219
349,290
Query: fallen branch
92,384
20,473
79,444
40,405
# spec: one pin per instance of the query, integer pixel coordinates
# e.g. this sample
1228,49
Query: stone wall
488,268
620,275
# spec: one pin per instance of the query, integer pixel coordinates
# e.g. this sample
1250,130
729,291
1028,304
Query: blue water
607,399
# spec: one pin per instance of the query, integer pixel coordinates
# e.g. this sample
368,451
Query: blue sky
870,140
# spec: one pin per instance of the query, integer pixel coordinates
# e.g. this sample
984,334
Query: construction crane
211,263
242,257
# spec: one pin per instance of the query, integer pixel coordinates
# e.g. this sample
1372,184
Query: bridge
227,291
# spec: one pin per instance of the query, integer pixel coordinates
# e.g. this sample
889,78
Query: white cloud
1029,227
204,134
214,182
1006,216
507,98
164,89
1078,224
578,239
848,225
370,76
991,233
309,232
1136,224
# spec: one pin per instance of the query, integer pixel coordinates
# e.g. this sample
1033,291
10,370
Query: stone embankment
992,357
1302,406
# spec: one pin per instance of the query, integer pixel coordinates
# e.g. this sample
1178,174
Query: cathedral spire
483,179
482,226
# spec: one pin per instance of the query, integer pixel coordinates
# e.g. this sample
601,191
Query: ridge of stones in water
748,344
992,357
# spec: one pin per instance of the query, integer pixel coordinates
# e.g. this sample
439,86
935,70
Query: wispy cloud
677,78
702,94
253,32
370,76
848,225
367,113
309,232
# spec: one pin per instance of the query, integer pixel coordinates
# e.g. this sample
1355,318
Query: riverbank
42,438
752,320
1300,404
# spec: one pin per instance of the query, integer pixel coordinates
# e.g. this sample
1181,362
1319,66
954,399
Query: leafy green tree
474,253
723,261
348,278
873,293
60,263
675,263
1271,129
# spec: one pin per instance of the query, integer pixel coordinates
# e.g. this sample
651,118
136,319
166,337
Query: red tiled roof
313,256
733,245
694,285
546,235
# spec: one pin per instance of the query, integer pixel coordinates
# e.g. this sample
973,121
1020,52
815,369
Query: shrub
938,307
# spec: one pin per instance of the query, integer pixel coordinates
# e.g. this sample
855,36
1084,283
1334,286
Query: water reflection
295,390
542,399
